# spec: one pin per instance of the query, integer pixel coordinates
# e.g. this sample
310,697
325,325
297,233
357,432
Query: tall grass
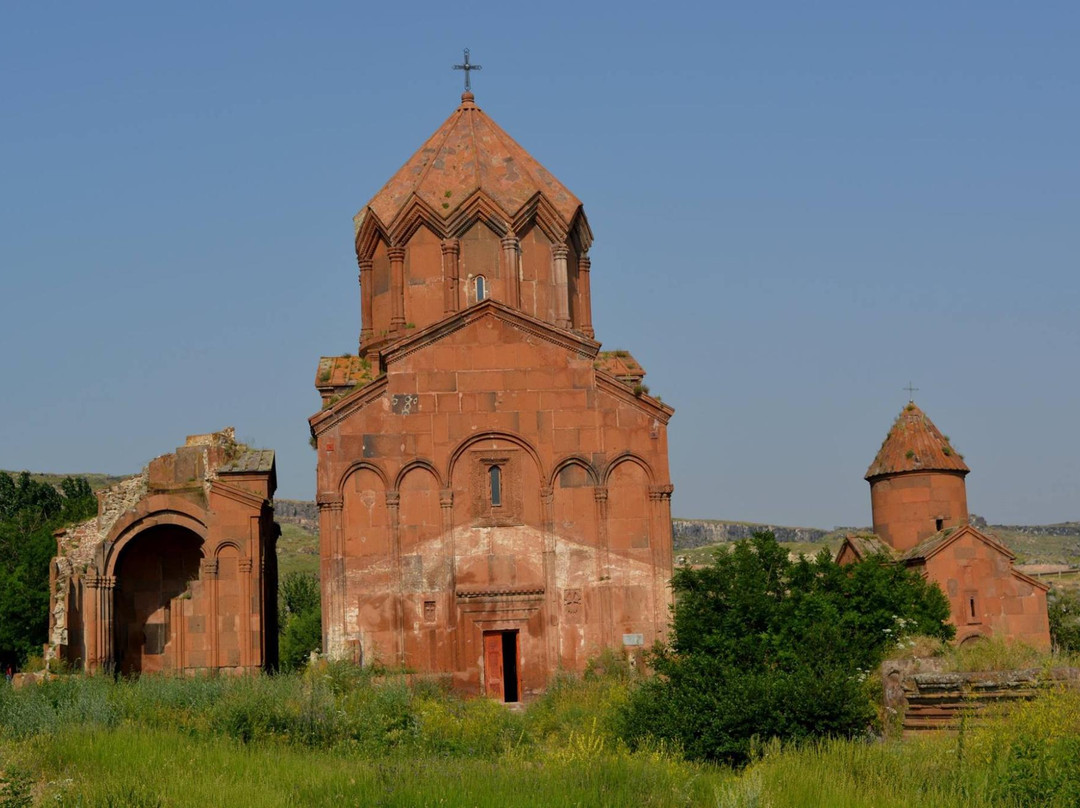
337,736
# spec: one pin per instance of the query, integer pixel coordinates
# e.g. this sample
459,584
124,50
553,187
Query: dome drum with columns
470,216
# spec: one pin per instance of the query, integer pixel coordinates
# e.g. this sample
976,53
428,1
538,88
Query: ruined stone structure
177,571
493,489
919,501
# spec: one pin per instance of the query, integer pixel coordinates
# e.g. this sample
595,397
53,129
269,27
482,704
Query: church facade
493,488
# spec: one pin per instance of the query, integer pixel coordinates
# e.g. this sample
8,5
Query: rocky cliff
690,533
297,512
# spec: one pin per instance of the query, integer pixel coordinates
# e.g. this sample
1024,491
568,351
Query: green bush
766,647
301,623
1063,607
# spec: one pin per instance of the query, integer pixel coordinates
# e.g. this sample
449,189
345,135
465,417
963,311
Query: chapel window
495,477
939,524
481,287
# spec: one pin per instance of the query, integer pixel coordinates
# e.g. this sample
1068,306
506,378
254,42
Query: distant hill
694,538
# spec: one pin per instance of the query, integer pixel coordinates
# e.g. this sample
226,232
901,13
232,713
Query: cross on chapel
911,392
467,67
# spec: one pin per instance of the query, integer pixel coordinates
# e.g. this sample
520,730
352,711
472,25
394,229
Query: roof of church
931,545
469,152
915,444
866,545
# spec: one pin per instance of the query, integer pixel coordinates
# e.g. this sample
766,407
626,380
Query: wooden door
493,664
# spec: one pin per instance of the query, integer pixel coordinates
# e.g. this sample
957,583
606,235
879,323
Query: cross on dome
467,67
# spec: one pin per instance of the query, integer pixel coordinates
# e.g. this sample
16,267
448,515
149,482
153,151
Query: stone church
918,497
493,488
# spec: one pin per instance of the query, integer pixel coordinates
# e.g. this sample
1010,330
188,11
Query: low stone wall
918,702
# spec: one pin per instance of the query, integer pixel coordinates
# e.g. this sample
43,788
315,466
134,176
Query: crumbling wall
76,546
919,701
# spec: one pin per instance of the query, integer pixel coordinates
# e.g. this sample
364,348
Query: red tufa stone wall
987,595
178,571
907,507
494,492
418,562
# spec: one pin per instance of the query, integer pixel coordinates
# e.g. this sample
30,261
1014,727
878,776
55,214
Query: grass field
297,551
337,736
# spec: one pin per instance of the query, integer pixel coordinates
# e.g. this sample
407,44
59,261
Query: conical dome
915,444
470,152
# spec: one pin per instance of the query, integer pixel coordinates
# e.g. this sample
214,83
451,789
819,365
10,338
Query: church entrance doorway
501,665
157,566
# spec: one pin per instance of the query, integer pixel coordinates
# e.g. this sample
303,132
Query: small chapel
918,497
493,489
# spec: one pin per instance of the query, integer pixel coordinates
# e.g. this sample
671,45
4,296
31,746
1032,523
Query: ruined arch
157,510
153,570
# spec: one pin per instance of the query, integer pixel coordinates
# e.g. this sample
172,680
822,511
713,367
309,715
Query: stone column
107,635
562,295
365,299
209,574
92,621
511,250
247,652
178,634
393,508
583,306
603,569
660,510
397,288
451,253
333,552
551,584
446,507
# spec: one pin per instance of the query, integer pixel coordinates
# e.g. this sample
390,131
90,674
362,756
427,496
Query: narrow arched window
481,287
495,476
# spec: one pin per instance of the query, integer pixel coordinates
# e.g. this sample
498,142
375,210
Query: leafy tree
1063,607
29,513
763,646
301,624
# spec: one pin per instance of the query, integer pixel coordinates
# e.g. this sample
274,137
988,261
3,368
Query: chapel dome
915,444
470,153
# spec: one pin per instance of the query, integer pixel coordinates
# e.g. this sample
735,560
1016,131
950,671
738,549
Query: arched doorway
155,567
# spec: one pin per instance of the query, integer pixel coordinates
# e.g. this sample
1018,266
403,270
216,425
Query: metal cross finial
911,392
467,67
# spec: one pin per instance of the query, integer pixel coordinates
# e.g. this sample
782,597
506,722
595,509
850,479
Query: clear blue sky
797,207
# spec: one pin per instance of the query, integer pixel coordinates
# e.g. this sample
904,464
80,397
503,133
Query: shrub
301,625
1063,608
766,647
